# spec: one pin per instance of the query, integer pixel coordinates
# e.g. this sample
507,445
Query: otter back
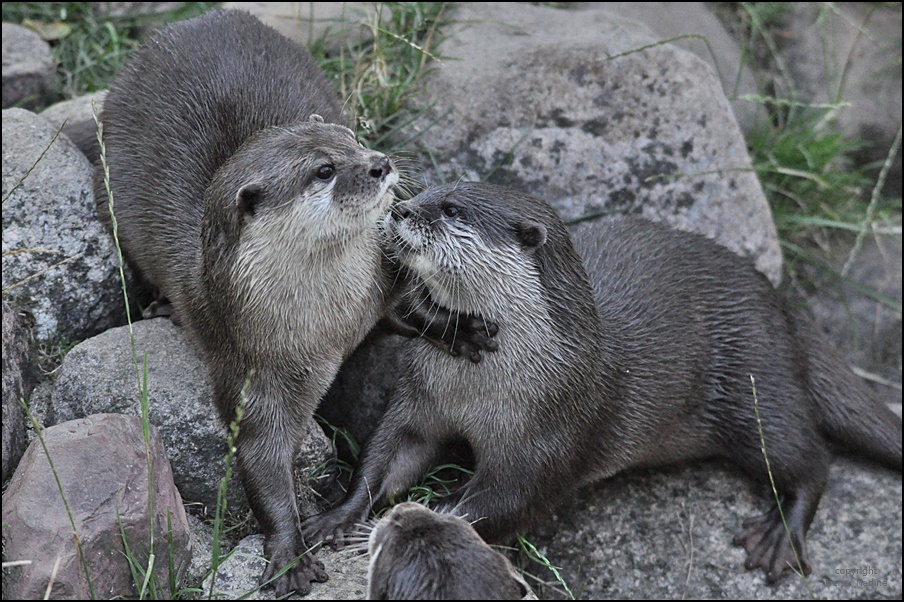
178,110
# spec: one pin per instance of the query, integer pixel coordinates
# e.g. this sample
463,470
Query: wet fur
650,365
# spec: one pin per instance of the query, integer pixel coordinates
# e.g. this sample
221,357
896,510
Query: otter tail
849,414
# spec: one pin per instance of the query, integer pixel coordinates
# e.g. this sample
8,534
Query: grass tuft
818,189
534,555
380,77
88,42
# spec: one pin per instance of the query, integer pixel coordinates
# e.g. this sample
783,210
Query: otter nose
381,168
400,211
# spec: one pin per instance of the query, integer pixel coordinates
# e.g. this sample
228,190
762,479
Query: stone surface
102,467
18,380
669,20
99,375
119,9
29,73
58,262
364,386
335,23
564,105
75,110
849,52
240,573
858,312
667,534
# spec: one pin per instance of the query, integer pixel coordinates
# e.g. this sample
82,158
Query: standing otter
257,219
650,365
418,554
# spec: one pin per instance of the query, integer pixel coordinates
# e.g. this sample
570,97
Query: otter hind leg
397,454
779,444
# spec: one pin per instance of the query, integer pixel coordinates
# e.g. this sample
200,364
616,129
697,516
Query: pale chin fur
463,274
317,214
305,232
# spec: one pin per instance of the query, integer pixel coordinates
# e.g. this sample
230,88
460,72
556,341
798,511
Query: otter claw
302,571
454,333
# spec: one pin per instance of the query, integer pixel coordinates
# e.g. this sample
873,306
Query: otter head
298,187
418,554
474,246
293,201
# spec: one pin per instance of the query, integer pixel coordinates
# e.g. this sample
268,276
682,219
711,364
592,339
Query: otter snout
381,167
400,211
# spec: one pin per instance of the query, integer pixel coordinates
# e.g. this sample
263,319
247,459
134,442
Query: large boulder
29,73
587,111
58,261
18,380
97,481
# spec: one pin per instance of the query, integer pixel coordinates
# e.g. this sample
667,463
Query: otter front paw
302,569
471,335
334,528
453,332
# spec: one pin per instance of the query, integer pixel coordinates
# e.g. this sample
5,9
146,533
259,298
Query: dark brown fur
418,554
258,222
651,365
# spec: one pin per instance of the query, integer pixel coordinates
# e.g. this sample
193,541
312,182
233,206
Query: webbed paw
333,528
769,547
303,568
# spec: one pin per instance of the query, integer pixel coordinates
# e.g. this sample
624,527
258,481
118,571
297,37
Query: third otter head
418,554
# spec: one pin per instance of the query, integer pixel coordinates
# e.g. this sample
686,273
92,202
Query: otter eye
325,172
451,211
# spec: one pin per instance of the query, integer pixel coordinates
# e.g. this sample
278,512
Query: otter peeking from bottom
639,355
419,554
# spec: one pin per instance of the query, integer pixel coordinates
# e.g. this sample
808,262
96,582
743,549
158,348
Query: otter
639,355
240,194
418,554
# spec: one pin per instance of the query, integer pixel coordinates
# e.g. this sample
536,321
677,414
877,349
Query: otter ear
531,235
248,197
315,118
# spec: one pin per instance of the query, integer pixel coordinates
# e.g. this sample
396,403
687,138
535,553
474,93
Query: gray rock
75,110
364,386
336,23
29,73
99,375
865,329
547,101
76,117
240,573
102,467
18,381
58,262
673,19
121,9
668,533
